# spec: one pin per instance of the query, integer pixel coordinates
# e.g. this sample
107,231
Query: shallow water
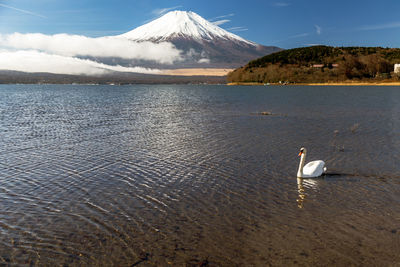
189,175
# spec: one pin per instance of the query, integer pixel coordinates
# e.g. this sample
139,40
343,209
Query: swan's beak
300,153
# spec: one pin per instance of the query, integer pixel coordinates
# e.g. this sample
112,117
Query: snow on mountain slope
181,24
201,43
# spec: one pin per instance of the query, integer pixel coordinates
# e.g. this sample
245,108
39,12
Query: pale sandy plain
196,72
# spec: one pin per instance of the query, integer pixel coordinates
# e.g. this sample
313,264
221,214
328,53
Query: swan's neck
301,165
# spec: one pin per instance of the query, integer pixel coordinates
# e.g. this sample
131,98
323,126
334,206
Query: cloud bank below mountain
35,61
65,54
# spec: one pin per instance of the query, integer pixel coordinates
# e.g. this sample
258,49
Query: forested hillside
321,64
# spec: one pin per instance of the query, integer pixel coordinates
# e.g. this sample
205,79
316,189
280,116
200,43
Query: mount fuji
180,43
202,43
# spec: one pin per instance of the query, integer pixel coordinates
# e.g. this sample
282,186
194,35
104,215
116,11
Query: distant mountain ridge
203,43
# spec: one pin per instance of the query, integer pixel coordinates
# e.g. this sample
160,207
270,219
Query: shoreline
321,84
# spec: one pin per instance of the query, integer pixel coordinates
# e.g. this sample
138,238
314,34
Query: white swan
312,169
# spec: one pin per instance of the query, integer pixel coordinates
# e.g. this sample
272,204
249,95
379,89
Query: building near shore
396,68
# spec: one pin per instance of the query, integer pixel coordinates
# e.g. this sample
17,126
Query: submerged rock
263,113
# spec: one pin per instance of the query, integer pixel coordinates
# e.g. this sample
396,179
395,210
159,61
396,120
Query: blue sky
286,24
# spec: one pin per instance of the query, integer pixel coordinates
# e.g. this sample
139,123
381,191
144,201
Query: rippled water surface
192,175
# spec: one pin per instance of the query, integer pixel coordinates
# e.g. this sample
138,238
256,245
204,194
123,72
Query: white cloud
238,29
162,11
318,29
35,52
281,4
204,60
77,45
300,35
222,17
22,11
192,53
391,25
35,61
220,22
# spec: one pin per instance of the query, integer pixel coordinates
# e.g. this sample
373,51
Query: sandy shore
197,72
330,84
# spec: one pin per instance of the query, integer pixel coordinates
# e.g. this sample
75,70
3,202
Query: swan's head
302,151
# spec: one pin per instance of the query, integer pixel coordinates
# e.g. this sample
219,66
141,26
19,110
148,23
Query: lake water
186,175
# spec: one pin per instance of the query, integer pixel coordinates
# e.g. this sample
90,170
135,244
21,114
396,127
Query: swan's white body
312,169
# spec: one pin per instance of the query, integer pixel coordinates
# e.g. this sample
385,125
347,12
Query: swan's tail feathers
325,169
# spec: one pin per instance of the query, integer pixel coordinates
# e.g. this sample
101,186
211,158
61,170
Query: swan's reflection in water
302,185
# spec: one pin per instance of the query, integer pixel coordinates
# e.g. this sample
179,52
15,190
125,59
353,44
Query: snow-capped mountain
181,24
203,43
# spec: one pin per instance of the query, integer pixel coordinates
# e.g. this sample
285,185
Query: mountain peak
201,43
181,24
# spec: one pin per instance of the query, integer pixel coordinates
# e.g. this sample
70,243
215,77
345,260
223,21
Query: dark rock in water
263,113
